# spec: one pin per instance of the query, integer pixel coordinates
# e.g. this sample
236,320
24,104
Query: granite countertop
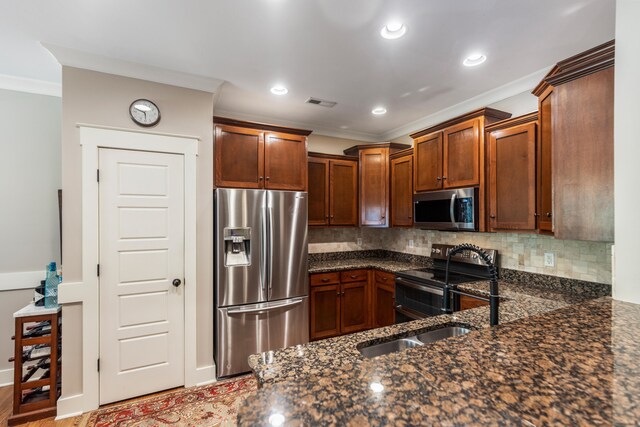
577,365
383,264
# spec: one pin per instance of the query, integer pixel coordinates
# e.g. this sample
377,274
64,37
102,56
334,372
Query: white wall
627,151
330,145
29,183
103,99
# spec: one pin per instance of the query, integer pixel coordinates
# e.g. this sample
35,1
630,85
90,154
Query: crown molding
359,136
79,59
22,84
492,96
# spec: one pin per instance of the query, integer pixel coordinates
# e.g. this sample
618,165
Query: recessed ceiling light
393,30
279,90
473,60
378,111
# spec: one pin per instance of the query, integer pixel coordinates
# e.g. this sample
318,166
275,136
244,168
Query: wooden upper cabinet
576,103
285,158
545,151
318,179
239,156
428,158
257,155
343,192
461,155
374,178
512,174
402,191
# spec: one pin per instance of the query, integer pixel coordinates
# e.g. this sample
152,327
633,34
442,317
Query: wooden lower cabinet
350,301
467,302
325,311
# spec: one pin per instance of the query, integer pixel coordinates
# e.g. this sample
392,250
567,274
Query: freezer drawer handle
263,309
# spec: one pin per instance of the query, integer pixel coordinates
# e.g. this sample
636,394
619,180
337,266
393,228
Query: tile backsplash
589,261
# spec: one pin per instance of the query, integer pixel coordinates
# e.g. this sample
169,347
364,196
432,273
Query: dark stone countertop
577,365
384,264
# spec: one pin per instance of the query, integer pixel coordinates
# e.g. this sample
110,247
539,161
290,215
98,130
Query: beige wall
10,302
102,99
590,261
330,145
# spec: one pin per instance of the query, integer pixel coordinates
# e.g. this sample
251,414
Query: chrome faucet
494,301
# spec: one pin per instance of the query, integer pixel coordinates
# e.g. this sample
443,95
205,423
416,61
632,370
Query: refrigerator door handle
263,252
270,239
265,308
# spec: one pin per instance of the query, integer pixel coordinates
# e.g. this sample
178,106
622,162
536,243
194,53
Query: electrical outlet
549,259
410,243
359,241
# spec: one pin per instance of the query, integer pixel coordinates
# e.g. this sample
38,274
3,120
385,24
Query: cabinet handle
548,214
382,217
409,217
327,216
444,177
354,276
260,178
325,280
268,178
338,293
385,279
536,214
438,178
492,216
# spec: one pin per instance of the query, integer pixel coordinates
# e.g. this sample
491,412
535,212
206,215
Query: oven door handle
409,313
452,208
403,282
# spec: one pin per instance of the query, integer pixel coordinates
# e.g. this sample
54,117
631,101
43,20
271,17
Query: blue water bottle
51,287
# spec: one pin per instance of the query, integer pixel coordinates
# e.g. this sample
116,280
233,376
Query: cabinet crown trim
401,153
514,121
587,62
261,126
392,146
482,112
331,156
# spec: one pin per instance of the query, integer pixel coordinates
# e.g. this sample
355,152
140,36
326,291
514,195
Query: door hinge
98,270
98,365
98,175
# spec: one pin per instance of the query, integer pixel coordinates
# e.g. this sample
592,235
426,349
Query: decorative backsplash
588,261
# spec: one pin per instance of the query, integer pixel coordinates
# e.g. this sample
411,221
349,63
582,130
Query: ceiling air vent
321,102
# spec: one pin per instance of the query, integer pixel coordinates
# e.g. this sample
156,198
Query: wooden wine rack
28,403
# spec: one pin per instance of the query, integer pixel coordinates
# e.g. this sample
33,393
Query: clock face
144,112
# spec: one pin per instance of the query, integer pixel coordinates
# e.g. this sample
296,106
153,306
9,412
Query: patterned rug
212,405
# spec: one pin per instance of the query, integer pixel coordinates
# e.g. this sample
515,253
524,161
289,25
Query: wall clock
144,112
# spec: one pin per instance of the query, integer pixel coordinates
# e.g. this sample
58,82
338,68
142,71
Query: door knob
177,282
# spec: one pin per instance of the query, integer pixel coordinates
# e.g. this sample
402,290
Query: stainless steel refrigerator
261,280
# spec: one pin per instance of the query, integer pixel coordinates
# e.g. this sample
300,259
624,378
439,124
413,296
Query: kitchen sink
440,334
375,350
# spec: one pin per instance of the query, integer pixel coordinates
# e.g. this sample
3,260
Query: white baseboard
206,375
70,406
20,280
6,377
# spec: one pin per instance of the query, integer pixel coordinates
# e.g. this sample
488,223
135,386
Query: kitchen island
556,358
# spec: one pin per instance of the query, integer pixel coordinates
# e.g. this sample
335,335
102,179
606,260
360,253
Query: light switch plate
359,241
410,243
549,259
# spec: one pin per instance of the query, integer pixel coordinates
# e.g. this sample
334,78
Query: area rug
213,405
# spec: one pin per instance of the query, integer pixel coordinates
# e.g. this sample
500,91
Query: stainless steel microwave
454,210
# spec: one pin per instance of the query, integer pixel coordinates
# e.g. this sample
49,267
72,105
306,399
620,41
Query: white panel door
141,254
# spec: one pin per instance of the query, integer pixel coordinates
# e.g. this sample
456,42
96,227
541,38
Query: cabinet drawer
324,279
353,276
385,278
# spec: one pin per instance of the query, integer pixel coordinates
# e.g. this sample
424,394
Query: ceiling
329,49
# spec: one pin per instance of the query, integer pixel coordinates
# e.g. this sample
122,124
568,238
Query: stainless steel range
420,293
261,280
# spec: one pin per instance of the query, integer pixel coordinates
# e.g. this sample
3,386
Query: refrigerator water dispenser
237,247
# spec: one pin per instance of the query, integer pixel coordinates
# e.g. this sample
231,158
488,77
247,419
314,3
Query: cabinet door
461,156
512,178
583,193
544,190
285,164
325,311
384,312
239,157
343,192
402,191
318,191
428,157
374,179
354,307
